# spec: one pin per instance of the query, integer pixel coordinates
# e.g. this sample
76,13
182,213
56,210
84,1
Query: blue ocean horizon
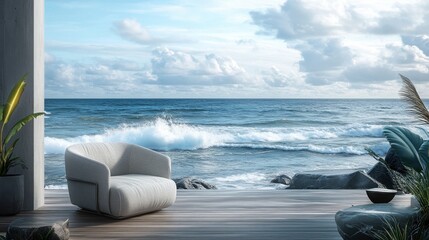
231,143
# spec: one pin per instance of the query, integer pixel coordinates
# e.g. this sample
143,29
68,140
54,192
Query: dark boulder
192,183
282,179
345,179
37,229
394,162
380,173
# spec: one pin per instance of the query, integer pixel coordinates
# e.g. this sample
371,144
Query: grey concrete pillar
22,51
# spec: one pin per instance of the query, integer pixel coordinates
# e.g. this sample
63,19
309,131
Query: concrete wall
22,51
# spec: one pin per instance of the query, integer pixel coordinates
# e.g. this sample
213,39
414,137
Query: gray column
21,52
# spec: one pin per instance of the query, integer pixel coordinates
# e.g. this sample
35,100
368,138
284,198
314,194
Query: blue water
234,144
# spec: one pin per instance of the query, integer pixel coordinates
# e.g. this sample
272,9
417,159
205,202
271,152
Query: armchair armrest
89,175
148,162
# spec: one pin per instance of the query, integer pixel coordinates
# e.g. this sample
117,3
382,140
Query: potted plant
413,152
11,185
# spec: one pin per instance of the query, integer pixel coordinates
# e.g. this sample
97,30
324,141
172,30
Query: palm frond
411,96
13,99
393,231
417,183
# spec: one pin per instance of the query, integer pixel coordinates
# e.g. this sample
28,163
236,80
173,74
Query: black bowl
380,195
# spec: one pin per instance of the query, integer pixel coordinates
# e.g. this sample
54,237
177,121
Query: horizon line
220,98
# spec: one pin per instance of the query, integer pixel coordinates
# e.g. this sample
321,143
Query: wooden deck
215,214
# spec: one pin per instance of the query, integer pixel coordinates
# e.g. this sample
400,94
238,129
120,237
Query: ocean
231,143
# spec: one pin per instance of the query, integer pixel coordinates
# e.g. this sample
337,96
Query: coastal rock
380,173
282,179
36,228
360,222
192,183
394,162
345,179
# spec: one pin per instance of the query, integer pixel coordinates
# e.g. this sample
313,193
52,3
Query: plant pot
380,195
11,194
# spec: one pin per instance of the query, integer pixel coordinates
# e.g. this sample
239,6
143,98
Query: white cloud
406,55
318,47
276,78
323,60
300,19
132,30
394,59
322,78
145,77
61,75
420,41
401,17
121,77
324,55
177,68
409,61
324,32
326,61
366,73
102,77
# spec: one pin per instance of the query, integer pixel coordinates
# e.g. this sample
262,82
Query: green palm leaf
6,166
424,153
18,126
406,145
13,99
11,163
7,159
9,151
1,112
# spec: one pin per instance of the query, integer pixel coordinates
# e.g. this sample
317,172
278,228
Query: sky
235,48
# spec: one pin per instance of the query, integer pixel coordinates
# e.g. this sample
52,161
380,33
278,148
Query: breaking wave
308,147
165,134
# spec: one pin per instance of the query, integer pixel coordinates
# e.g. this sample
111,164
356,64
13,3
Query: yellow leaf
13,99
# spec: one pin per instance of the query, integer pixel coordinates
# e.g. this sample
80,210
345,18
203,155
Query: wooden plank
215,214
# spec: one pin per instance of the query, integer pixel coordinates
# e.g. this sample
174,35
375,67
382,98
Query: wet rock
38,229
394,162
341,179
380,173
192,183
282,179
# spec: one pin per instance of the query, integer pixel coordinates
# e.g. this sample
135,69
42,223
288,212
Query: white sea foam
159,134
246,177
362,131
253,180
162,134
62,186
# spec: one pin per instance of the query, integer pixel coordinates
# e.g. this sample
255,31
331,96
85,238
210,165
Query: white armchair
118,179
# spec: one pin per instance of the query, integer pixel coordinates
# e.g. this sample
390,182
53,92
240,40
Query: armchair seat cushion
135,194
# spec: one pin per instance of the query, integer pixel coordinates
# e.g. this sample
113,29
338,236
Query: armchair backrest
113,155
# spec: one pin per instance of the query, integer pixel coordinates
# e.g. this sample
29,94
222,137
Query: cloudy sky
235,48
